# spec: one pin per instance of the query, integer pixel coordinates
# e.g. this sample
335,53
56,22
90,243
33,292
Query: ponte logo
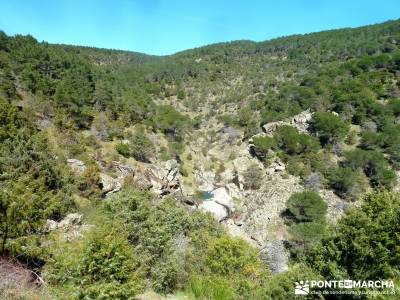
302,288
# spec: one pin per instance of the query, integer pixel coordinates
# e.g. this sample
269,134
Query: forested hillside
228,171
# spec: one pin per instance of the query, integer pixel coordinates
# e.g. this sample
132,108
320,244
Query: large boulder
219,211
123,170
222,197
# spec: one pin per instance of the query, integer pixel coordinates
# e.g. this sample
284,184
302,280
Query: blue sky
167,26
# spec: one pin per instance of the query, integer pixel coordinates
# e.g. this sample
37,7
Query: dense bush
374,165
307,206
365,242
347,182
34,184
308,211
328,127
139,146
228,257
102,267
293,142
261,146
170,122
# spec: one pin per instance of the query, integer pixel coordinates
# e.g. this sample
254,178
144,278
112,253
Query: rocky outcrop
261,209
217,210
300,122
220,204
109,184
161,179
204,179
66,223
277,256
71,226
77,166
123,170
221,197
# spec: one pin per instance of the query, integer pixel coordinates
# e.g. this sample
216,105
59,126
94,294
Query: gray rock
277,256
70,220
161,179
50,225
204,179
217,210
222,197
313,182
109,184
123,170
76,165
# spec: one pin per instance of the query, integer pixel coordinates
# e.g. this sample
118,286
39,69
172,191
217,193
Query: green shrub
231,256
103,266
374,165
106,269
252,177
164,155
329,127
280,287
307,206
123,149
347,183
292,142
261,146
217,288
170,121
140,147
364,244
165,274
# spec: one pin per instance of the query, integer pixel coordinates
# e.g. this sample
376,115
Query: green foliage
280,287
374,165
34,185
261,146
308,210
139,147
103,267
365,242
307,206
123,149
292,142
215,287
347,182
328,127
229,256
155,230
170,121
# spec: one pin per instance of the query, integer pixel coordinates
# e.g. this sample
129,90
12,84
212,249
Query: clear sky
167,26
